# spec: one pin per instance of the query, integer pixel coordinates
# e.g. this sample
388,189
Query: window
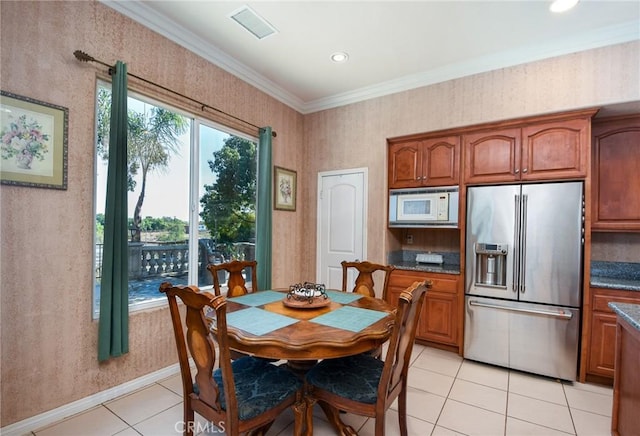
178,216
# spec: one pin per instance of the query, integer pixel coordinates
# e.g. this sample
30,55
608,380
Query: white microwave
424,207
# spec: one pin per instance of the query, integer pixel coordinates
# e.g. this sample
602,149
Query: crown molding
149,18
607,36
146,16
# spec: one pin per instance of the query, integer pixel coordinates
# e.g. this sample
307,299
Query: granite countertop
445,268
629,312
615,275
406,259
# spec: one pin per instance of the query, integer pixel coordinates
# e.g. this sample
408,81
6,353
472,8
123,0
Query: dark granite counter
406,259
615,275
445,268
629,312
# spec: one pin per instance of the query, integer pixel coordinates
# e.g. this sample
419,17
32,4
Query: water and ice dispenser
491,261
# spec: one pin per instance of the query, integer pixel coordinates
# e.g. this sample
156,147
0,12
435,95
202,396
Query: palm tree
152,138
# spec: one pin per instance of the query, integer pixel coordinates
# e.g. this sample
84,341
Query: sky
167,192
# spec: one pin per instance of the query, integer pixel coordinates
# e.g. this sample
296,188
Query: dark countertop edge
629,312
613,283
443,269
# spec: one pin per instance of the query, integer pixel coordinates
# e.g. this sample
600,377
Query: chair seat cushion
260,386
354,377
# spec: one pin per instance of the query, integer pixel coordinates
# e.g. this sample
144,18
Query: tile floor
447,396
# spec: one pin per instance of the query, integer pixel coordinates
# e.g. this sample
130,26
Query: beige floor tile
143,404
129,431
598,389
540,412
438,361
516,427
533,386
430,381
173,383
98,421
591,424
417,350
484,374
422,405
392,427
441,431
167,423
470,420
589,401
478,395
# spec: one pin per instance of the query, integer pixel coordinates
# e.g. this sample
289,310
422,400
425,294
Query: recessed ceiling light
339,57
562,5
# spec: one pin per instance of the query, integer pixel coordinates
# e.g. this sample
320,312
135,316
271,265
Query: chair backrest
236,282
396,364
364,281
201,346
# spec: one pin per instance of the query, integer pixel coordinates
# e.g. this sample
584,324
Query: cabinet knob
524,170
517,171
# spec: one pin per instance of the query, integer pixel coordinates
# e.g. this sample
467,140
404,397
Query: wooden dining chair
364,280
364,385
236,282
241,395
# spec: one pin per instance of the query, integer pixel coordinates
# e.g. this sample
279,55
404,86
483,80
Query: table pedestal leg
300,367
333,416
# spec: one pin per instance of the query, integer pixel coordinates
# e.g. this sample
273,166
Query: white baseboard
28,425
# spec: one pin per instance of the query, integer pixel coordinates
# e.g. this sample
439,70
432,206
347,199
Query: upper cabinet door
555,150
616,175
424,162
441,161
492,156
405,165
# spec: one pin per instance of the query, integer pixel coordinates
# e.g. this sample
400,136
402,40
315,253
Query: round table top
261,324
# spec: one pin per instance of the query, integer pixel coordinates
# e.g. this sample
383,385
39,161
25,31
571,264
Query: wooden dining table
267,324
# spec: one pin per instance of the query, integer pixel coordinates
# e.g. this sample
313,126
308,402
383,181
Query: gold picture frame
33,142
284,188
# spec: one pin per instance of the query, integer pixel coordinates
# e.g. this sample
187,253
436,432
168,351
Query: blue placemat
258,298
343,297
350,318
258,321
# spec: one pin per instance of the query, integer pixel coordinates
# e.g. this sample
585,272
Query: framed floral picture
33,142
284,182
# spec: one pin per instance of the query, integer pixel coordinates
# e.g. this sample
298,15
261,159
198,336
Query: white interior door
342,217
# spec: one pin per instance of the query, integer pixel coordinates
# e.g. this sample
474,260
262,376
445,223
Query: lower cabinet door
602,356
439,323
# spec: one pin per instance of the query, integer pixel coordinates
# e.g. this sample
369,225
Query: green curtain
113,328
263,214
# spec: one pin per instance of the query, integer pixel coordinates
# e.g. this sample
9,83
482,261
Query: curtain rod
84,57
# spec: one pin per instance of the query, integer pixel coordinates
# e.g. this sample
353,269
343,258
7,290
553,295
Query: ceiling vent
253,22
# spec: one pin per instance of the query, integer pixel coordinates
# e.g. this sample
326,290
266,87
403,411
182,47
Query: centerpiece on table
307,295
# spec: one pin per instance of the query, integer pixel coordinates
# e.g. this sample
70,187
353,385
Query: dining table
271,324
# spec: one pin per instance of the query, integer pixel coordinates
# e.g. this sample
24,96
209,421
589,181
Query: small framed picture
33,142
284,184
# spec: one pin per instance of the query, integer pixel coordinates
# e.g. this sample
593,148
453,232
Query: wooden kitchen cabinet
549,150
616,174
439,317
602,338
424,162
625,419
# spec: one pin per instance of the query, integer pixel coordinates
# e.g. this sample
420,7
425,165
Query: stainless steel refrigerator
523,284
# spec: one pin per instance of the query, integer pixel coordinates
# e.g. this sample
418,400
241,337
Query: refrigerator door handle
523,244
516,248
556,314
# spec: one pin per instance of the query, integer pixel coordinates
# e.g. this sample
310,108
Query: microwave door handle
516,232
